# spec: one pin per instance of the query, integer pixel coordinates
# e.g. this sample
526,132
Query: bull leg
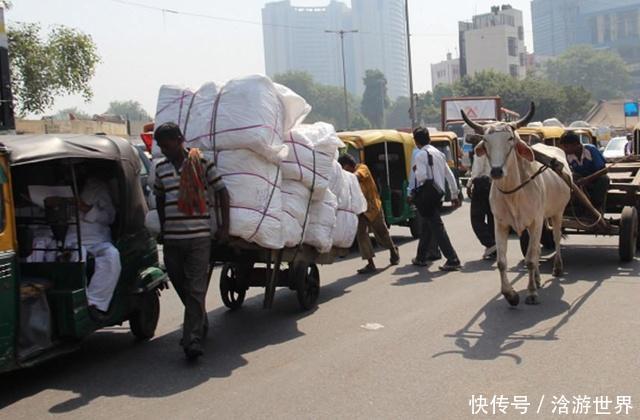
533,262
558,266
502,236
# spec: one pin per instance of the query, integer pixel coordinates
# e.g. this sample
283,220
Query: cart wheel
415,226
232,296
628,234
306,277
546,240
144,320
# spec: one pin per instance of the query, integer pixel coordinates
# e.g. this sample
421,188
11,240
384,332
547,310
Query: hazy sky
142,49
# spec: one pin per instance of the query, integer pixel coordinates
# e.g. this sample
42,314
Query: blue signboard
631,109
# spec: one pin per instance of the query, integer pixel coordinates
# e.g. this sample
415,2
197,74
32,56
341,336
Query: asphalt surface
433,341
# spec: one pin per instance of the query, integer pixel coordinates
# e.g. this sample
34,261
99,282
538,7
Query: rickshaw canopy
31,149
543,133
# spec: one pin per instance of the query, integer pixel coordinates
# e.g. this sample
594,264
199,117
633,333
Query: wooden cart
620,218
248,265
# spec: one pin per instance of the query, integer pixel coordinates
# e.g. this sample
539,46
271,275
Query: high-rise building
446,72
381,43
554,26
493,41
605,24
295,39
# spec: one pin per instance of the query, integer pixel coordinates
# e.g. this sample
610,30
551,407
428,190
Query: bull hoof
532,300
513,298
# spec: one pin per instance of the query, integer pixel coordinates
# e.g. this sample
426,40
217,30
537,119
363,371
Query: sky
142,49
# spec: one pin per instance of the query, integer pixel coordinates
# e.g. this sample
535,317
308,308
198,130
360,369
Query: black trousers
481,215
434,236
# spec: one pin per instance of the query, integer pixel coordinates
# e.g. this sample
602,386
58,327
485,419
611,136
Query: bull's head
500,141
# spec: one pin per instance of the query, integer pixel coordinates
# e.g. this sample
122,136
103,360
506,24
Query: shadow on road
118,365
504,329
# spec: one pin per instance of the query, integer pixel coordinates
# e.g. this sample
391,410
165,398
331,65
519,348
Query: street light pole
412,110
344,71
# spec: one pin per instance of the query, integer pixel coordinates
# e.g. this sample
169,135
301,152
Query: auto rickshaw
388,154
43,302
447,142
547,135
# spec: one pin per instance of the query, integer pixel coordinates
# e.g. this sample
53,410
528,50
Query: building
381,43
606,24
493,41
295,39
554,26
446,72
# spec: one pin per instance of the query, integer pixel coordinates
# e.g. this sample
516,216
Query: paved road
445,338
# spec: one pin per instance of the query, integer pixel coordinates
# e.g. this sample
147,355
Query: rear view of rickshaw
447,143
43,276
388,154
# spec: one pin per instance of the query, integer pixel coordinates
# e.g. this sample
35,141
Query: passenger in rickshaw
587,164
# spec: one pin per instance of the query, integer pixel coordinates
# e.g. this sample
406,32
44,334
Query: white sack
255,197
322,222
295,203
358,201
346,219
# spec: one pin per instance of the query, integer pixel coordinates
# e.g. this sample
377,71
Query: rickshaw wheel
232,295
307,281
415,226
627,243
144,320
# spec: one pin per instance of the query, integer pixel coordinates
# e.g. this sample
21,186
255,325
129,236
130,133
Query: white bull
522,198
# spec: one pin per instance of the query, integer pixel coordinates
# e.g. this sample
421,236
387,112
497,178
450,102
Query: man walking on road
432,175
373,219
478,190
183,209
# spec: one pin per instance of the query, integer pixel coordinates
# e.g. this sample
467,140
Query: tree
603,73
327,102
130,110
41,69
64,114
375,99
398,113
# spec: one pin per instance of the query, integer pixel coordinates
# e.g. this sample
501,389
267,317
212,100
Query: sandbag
322,222
254,186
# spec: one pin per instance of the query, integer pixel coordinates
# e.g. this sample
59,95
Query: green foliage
130,110
327,102
375,99
63,114
41,69
603,73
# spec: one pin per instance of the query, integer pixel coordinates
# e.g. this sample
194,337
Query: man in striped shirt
187,237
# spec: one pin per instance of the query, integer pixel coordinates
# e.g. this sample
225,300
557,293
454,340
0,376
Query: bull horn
479,129
522,122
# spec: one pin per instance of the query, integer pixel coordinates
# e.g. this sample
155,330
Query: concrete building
295,39
446,72
493,41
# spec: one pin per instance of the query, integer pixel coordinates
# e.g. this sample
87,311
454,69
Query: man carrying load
182,185
373,219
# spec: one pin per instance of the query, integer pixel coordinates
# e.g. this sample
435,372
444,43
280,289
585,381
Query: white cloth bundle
312,150
346,219
322,222
254,186
295,203
358,204
250,113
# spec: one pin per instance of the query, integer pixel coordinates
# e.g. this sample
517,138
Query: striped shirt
178,225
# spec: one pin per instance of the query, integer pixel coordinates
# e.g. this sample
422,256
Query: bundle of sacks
284,182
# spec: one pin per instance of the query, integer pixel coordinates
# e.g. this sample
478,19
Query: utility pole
412,110
344,71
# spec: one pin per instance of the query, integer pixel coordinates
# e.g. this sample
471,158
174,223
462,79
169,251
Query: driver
97,214
586,164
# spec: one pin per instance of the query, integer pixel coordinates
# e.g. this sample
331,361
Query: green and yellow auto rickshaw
447,142
388,154
43,301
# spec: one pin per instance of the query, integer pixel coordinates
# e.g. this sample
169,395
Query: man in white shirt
479,186
431,167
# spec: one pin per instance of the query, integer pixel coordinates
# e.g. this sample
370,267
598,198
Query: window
520,33
513,70
512,47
